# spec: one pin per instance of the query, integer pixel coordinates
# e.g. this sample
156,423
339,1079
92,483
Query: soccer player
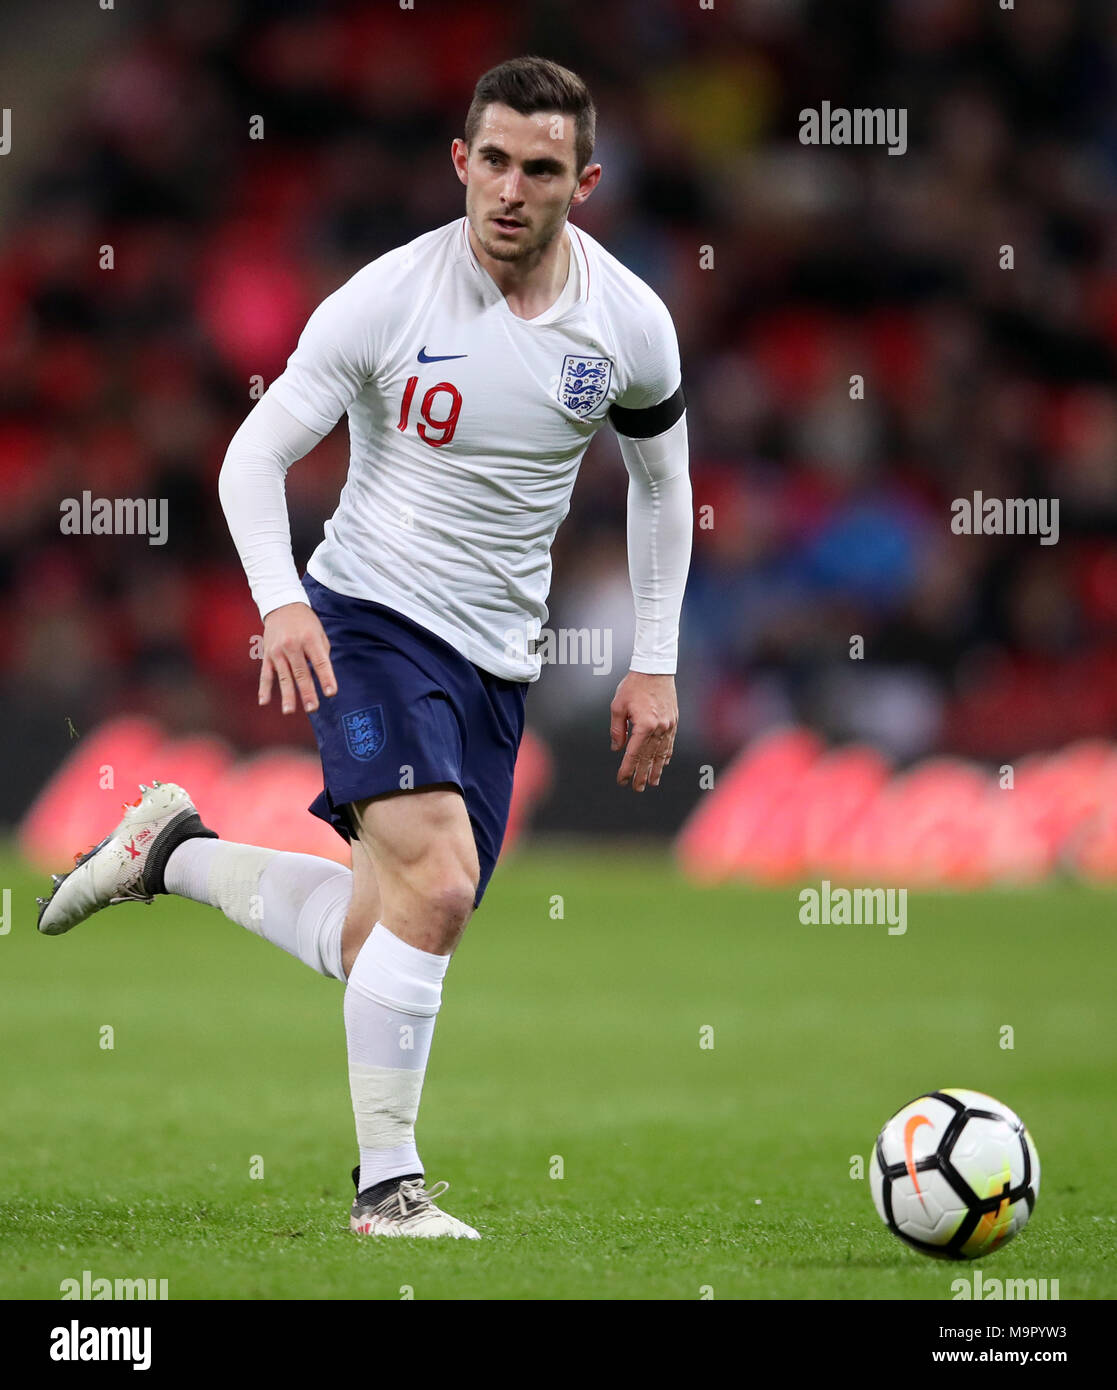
475,364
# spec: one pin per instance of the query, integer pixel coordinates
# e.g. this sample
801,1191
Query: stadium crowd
162,263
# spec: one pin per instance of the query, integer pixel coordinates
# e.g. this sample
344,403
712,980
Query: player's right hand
294,644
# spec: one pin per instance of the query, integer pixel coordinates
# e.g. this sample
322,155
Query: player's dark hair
533,84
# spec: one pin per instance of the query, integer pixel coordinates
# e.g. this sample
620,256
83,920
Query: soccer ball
954,1174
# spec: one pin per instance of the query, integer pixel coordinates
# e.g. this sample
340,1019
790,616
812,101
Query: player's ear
587,182
459,153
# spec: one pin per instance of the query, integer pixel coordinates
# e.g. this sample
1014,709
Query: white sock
391,1003
297,901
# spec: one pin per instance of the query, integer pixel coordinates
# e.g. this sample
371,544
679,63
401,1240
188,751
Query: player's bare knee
448,900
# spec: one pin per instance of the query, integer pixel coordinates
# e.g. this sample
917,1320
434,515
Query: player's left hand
645,711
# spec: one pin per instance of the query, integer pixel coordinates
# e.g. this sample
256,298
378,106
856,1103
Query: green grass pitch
684,1168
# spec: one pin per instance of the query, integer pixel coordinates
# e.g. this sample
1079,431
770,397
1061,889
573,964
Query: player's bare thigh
415,868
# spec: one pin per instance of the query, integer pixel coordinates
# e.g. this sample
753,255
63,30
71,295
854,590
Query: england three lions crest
364,731
584,383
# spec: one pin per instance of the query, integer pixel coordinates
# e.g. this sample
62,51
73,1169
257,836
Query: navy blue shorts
411,711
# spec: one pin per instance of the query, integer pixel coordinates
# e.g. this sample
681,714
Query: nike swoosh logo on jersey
448,357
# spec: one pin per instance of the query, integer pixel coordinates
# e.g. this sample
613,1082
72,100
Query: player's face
520,180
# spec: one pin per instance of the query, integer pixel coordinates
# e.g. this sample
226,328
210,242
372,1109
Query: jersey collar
577,248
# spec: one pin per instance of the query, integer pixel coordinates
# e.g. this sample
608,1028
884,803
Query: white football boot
404,1207
127,866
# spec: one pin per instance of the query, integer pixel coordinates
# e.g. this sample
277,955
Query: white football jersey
467,426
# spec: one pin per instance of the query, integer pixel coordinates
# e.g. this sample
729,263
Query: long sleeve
252,488
660,525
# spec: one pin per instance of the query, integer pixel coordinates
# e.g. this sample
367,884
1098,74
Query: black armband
655,419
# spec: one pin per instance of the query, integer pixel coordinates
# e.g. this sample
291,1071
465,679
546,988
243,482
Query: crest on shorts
584,383
364,731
